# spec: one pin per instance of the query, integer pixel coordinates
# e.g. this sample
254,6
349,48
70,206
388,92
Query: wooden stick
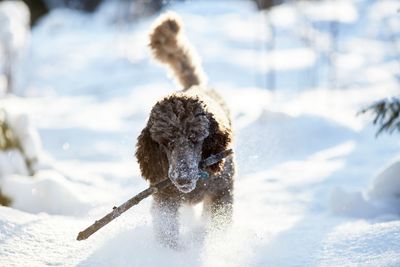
117,211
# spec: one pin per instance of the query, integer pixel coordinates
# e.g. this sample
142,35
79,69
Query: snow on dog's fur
183,128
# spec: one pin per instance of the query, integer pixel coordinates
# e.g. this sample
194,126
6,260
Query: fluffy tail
169,47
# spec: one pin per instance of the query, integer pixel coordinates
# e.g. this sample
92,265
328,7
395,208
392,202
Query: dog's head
179,134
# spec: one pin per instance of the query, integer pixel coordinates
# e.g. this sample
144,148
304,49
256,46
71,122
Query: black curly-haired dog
184,128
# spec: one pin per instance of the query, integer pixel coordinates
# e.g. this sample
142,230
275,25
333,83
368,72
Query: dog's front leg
220,209
165,220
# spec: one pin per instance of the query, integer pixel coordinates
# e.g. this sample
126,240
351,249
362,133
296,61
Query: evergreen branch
387,112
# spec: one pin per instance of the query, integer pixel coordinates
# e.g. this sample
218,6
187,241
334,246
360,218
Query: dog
184,128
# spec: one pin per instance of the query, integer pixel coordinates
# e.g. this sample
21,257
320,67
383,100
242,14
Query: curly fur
184,128
170,47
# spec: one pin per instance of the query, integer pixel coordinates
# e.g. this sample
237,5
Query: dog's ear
219,139
152,160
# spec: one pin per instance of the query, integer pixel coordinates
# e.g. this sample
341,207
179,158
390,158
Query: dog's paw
172,244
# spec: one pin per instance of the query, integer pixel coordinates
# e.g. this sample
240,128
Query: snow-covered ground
313,187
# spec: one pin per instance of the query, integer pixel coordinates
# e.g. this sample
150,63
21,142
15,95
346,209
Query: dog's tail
170,47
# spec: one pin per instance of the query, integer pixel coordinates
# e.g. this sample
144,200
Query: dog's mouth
186,185
187,188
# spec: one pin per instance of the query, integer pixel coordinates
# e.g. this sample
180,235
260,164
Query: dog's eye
166,143
194,139
200,114
170,143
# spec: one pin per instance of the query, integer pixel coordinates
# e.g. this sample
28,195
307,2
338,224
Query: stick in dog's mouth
117,211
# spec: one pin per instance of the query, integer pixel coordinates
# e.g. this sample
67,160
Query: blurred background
325,35
313,88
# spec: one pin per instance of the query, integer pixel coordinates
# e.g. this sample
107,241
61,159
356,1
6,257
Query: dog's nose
183,181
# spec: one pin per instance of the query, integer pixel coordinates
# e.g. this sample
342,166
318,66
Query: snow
13,160
314,185
47,191
381,198
332,10
14,38
15,19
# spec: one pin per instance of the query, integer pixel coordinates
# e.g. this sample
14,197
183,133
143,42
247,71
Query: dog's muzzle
184,176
